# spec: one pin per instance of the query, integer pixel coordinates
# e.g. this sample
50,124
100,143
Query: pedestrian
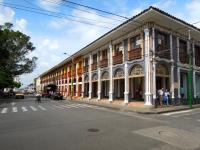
38,97
160,94
166,97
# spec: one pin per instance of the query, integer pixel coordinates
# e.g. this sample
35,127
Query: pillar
154,65
126,80
179,82
110,73
99,84
90,76
147,67
83,86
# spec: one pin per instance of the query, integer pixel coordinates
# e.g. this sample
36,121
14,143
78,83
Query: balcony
135,54
118,59
104,63
86,68
80,71
184,58
163,51
94,66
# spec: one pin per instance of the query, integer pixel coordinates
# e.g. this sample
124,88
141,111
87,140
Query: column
90,76
77,83
99,84
194,84
110,59
147,67
154,65
172,81
126,80
178,60
83,86
172,68
179,83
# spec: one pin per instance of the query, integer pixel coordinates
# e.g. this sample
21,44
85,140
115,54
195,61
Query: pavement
137,107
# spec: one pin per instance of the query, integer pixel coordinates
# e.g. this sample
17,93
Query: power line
96,9
52,15
84,10
40,9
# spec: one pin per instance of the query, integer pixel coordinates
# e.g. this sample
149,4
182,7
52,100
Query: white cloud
6,14
21,25
193,11
58,23
49,4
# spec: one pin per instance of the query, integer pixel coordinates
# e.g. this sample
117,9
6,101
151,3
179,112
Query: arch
94,77
105,75
86,79
119,73
136,70
162,70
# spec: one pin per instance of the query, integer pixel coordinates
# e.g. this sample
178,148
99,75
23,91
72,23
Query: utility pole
190,97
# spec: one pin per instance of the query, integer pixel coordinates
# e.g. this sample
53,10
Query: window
118,49
104,54
135,42
162,39
95,58
197,55
86,62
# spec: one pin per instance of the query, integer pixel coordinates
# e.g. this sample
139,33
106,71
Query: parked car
19,95
56,96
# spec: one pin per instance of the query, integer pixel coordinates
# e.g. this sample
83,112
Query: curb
128,109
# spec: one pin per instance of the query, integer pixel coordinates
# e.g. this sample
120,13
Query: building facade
131,62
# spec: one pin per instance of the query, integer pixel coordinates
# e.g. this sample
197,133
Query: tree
14,49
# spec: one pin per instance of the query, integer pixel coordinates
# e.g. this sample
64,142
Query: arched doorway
136,82
119,83
162,77
94,85
105,85
86,86
79,86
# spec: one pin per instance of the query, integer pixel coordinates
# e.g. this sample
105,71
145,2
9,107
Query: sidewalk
137,107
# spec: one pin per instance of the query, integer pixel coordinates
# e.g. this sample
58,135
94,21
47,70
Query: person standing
166,97
160,94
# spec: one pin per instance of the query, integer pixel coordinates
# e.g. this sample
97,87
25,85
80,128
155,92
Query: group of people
163,96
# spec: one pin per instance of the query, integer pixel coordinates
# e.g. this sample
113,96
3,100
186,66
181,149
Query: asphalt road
67,125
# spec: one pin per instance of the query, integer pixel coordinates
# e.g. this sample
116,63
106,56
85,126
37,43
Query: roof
133,19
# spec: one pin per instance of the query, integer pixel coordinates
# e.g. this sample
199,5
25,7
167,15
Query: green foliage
14,49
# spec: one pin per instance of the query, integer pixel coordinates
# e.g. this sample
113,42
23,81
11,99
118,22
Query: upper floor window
135,42
197,55
104,54
95,58
86,62
182,46
118,49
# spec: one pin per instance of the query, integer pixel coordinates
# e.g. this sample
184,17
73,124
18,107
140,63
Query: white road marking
4,110
73,106
58,106
14,109
33,108
41,107
24,109
177,112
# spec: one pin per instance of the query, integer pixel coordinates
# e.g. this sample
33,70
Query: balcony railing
135,54
163,51
183,57
104,63
118,59
94,66
86,68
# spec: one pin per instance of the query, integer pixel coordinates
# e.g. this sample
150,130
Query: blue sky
54,36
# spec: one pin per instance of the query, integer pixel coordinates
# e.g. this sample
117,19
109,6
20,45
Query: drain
93,130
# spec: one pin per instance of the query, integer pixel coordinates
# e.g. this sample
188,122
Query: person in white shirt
160,94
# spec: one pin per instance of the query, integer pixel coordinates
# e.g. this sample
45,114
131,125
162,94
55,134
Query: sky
66,32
